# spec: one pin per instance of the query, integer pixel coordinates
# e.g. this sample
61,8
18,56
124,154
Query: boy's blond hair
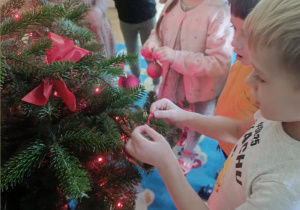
276,24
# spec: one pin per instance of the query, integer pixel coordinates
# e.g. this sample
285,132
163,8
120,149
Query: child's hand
148,151
164,54
148,49
167,110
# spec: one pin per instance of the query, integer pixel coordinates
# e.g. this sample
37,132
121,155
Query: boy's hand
164,54
153,151
168,111
148,49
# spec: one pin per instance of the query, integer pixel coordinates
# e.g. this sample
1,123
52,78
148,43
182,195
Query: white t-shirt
262,171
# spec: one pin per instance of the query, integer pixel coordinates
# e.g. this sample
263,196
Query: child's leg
189,154
205,108
130,34
145,30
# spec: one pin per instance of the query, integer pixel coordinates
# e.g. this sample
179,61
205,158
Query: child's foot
186,161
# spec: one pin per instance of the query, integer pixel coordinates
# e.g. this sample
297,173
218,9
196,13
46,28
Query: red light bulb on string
16,16
97,90
30,39
119,205
55,93
83,103
124,138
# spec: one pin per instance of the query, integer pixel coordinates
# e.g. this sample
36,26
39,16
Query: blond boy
262,171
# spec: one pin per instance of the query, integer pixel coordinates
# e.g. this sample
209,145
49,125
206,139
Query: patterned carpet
211,159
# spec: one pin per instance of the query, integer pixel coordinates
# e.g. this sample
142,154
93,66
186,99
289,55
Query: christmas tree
64,119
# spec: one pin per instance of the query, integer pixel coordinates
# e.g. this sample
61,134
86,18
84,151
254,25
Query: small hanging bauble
154,69
128,81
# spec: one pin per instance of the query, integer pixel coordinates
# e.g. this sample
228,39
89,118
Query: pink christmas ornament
154,70
129,81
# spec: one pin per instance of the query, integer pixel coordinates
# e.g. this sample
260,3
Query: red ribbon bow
62,49
41,94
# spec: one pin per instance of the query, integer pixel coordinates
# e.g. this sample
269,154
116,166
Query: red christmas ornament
128,81
154,70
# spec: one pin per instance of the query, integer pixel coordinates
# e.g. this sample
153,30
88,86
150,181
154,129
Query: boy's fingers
159,105
129,147
162,114
138,132
152,133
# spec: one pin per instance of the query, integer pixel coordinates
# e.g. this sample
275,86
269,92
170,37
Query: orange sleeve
236,100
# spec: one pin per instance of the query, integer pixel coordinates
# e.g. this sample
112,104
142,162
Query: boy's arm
218,127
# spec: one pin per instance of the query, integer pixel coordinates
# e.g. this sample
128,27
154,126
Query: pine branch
26,64
8,7
125,176
48,111
70,4
151,97
10,45
3,69
90,138
73,180
42,16
125,97
61,68
106,80
77,13
115,60
40,47
22,164
114,181
92,46
69,29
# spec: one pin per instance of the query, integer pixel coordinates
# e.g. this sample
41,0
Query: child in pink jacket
192,41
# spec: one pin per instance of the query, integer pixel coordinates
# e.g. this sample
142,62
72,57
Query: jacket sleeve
217,56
